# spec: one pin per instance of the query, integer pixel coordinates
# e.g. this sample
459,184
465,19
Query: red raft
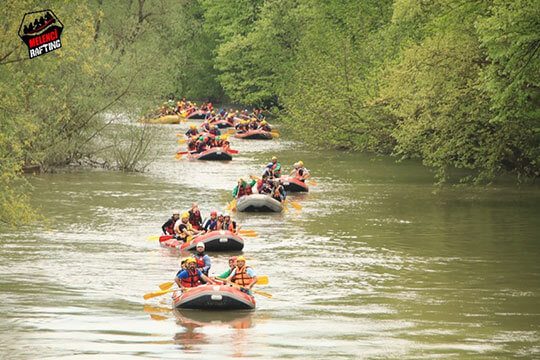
213,297
222,124
218,240
215,153
292,184
255,135
199,114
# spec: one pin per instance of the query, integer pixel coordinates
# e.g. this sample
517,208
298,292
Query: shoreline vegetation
455,84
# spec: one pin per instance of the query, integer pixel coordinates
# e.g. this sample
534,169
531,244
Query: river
379,263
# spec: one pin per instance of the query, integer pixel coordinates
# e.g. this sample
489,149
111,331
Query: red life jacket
244,190
200,260
192,280
241,277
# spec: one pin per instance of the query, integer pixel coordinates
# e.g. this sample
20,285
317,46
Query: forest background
455,83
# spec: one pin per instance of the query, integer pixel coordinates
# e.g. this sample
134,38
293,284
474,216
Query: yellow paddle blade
250,234
225,136
156,294
167,285
263,293
275,134
231,131
296,205
160,317
155,309
232,205
262,280
152,238
312,183
245,231
178,156
181,141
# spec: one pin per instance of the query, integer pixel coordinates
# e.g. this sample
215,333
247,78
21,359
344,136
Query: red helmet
213,212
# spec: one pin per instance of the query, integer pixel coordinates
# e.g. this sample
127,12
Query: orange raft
255,135
213,297
215,153
218,240
291,184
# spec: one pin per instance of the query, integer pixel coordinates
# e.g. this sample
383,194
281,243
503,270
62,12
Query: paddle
241,231
312,183
275,134
261,280
263,293
232,205
231,151
294,204
163,292
179,154
181,141
157,237
231,131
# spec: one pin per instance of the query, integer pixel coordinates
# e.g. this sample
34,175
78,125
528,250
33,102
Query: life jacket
192,280
228,226
241,277
200,260
244,190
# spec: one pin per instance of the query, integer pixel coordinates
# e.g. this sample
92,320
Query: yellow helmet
192,126
301,163
185,215
274,158
190,260
263,122
241,258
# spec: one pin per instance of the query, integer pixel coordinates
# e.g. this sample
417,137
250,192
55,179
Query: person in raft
191,276
275,169
214,130
183,229
195,218
192,131
211,223
226,273
242,275
229,224
264,126
168,227
203,260
278,192
299,171
243,188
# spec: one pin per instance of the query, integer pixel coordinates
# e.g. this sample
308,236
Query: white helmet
200,244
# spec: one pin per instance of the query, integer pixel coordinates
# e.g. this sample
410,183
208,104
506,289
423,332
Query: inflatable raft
213,297
292,184
255,135
165,119
219,240
215,153
222,124
258,203
199,114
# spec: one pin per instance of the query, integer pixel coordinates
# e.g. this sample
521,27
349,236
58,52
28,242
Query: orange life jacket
192,280
241,277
